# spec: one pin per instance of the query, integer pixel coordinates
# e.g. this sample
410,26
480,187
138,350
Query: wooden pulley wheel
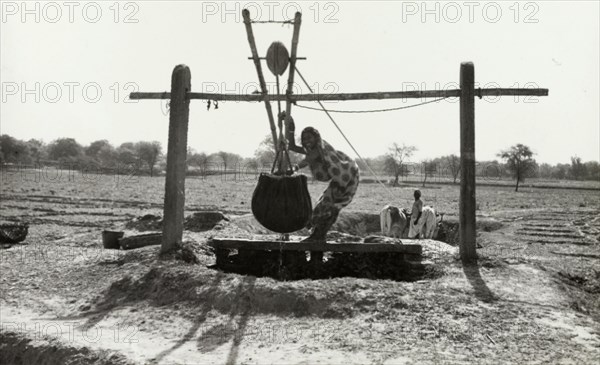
278,58
281,203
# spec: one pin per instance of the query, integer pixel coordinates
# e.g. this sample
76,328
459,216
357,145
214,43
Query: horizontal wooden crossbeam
314,246
344,97
264,58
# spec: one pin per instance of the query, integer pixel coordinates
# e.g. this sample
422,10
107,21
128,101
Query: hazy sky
67,68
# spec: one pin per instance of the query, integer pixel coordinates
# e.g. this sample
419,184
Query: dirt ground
533,298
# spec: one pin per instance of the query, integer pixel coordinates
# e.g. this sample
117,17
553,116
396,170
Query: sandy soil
534,297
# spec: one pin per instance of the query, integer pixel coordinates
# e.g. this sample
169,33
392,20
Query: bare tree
264,154
229,160
519,161
429,168
395,158
225,158
199,160
452,163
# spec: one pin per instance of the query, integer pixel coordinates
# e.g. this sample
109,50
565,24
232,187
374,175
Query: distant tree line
516,162
68,152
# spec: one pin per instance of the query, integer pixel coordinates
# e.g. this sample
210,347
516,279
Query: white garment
392,221
426,225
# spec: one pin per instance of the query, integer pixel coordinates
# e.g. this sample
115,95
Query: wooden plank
467,163
313,246
221,255
176,159
261,78
343,96
133,242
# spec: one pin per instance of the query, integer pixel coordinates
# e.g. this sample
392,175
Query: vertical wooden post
176,159
292,70
261,77
467,163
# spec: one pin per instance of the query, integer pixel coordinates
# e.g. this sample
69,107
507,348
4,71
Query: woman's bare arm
290,135
302,164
